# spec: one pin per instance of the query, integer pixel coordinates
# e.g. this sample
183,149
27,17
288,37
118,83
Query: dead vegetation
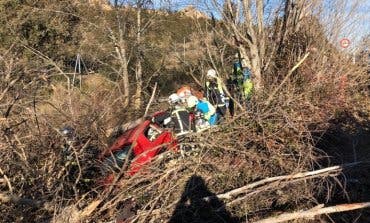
265,161
268,140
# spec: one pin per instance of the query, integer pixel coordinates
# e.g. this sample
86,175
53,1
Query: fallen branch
87,211
9,86
6,179
318,210
271,97
247,187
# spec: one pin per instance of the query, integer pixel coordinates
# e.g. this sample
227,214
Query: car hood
128,137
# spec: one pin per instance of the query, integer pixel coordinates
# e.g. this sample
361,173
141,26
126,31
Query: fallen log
311,213
247,187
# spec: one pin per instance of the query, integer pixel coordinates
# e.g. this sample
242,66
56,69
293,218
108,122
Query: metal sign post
78,69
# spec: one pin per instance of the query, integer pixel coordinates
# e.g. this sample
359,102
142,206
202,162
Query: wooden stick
269,100
87,211
7,181
318,210
151,100
243,189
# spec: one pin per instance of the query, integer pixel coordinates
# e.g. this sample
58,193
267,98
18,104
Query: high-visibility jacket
237,77
241,78
247,88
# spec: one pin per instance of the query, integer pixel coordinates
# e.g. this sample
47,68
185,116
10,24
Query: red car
138,146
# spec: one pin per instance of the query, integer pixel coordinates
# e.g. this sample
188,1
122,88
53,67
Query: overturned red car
138,146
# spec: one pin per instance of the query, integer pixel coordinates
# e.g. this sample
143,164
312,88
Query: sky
355,26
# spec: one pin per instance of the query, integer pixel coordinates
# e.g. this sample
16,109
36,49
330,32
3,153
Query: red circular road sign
344,43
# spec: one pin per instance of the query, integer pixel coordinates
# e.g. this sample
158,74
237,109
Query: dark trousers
221,111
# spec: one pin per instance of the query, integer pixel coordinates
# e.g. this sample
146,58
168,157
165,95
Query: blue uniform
208,111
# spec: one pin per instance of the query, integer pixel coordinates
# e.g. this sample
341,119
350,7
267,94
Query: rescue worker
177,117
180,116
240,83
205,108
184,92
242,78
247,83
214,92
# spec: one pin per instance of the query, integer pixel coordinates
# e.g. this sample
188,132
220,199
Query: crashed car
138,146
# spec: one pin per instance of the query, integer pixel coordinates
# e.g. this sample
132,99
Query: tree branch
247,187
150,100
271,97
318,210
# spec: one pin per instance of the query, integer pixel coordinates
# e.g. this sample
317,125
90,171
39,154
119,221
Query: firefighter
214,92
239,83
177,117
180,116
241,79
183,92
247,82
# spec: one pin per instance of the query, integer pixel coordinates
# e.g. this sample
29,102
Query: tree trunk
139,71
261,30
139,86
125,87
255,40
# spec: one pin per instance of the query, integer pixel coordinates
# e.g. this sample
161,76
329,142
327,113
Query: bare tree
252,26
140,4
133,31
245,20
120,48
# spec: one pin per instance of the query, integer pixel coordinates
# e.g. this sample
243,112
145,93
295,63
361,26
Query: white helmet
211,73
244,63
173,98
192,101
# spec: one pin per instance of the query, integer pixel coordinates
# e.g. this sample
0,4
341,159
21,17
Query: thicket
59,30
277,135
